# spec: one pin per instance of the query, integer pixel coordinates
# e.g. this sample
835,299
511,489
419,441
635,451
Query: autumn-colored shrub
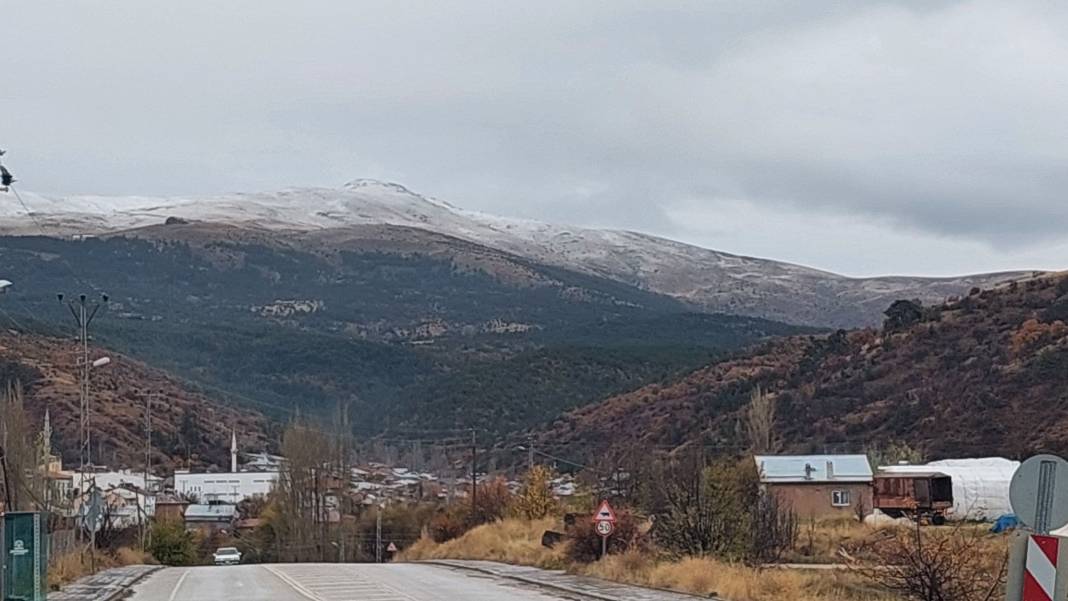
491,502
535,500
448,524
1033,332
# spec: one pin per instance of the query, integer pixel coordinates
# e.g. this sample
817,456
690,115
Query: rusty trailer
918,495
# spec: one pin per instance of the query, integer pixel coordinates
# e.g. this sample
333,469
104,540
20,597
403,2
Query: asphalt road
331,582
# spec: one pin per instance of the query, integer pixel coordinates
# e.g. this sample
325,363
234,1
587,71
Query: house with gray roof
818,486
209,518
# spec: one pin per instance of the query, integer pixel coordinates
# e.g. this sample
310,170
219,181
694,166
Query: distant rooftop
220,512
813,468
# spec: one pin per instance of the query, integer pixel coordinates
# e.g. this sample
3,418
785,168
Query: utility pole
9,493
530,453
148,464
474,473
83,316
148,436
378,535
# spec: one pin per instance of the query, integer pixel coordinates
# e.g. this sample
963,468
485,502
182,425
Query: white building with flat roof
231,487
82,481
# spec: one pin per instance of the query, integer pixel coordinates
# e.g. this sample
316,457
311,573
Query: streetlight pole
378,534
83,313
9,505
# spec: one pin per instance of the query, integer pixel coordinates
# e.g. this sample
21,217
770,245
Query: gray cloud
940,121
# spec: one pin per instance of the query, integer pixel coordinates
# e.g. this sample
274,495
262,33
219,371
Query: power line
41,229
562,460
29,213
42,324
12,319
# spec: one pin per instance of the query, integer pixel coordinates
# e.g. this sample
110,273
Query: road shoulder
106,585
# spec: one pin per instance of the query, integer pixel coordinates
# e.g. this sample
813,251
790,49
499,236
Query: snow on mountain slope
709,279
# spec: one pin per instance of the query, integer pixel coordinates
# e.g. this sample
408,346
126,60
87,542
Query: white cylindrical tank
980,486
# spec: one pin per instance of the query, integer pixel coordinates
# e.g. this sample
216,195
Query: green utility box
25,563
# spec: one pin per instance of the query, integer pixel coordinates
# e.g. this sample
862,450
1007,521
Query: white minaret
233,451
46,432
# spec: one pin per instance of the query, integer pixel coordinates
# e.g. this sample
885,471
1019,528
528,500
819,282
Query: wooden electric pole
474,474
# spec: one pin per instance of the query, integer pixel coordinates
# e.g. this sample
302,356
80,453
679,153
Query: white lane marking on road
385,586
178,585
335,583
292,583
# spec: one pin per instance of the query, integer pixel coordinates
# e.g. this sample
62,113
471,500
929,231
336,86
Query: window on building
840,498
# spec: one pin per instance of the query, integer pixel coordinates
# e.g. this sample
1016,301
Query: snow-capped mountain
708,279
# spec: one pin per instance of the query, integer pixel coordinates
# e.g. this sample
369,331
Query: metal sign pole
1038,562
3,560
604,522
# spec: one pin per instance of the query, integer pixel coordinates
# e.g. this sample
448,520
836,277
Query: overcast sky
865,138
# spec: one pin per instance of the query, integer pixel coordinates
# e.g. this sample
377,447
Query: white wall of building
231,487
109,480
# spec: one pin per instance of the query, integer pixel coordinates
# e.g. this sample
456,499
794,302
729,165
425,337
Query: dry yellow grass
510,541
820,541
128,556
704,576
68,567
519,542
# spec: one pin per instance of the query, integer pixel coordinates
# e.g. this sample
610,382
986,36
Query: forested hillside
188,427
410,328
983,374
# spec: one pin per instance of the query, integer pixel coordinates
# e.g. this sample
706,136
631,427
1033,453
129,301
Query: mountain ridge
708,280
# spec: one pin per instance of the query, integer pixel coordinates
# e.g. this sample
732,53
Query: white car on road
227,556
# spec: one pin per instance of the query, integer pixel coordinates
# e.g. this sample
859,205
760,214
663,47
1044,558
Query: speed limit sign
605,528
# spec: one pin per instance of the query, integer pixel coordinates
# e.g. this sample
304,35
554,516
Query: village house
818,486
170,506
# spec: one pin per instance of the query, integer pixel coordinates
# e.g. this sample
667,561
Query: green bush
172,545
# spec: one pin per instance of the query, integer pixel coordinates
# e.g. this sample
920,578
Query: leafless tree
720,510
24,475
935,564
300,497
760,421
774,528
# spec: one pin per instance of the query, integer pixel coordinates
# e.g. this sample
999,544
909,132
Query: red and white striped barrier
1040,568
